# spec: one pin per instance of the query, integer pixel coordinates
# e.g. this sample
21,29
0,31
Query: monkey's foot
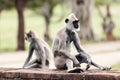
106,68
75,70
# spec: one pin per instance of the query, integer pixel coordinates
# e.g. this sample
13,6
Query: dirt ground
105,54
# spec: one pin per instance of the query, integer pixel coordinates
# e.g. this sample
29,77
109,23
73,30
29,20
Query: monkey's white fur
72,18
62,45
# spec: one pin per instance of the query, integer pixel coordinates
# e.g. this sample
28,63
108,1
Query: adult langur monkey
62,47
44,57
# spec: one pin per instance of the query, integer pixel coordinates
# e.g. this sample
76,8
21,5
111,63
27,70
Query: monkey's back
42,48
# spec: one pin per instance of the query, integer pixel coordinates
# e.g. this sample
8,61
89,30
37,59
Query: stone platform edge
48,74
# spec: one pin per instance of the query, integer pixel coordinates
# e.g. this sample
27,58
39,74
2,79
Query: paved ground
105,54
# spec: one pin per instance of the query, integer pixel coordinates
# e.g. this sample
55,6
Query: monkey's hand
82,57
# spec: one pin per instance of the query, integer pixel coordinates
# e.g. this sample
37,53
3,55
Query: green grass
116,66
33,21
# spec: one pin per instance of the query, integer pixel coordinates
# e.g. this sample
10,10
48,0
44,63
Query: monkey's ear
66,20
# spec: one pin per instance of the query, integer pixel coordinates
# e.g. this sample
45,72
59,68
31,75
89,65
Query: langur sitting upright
62,47
44,57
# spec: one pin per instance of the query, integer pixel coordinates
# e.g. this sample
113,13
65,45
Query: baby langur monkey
62,47
44,57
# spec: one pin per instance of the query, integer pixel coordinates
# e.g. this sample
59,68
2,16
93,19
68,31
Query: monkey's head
72,22
30,36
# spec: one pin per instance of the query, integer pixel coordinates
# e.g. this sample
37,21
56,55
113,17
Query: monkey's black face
28,35
75,24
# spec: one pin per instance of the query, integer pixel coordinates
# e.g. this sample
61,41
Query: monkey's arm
76,42
31,49
56,49
55,46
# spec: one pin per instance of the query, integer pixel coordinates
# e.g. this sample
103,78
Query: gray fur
44,58
62,47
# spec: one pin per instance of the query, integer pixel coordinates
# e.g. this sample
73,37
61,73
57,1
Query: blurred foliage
31,4
6,4
37,4
102,2
36,22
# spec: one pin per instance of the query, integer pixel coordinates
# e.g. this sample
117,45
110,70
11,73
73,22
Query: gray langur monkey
44,57
62,47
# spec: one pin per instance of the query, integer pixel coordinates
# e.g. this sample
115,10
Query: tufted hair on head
72,17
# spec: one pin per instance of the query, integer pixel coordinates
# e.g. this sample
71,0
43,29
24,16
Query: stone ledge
47,74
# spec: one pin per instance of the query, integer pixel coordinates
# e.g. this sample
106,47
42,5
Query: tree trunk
110,24
83,10
107,24
47,11
19,4
47,33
